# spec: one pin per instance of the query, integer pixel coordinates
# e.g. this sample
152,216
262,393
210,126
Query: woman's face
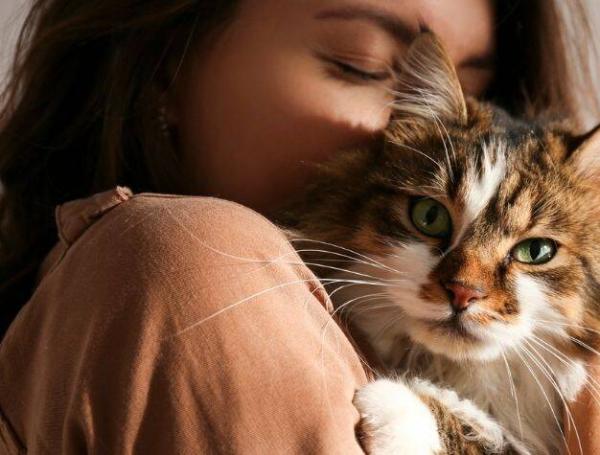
290,82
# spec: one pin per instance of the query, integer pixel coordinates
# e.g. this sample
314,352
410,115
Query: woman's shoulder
144,256
154,212
186,225
149,222
164,214
147,233
141,254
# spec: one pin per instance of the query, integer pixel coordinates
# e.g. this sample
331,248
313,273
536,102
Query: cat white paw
395,421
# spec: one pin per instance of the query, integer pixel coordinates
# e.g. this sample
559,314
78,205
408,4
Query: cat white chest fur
469,246
524,392
517,375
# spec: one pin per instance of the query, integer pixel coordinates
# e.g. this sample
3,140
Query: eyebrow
396,27
390,23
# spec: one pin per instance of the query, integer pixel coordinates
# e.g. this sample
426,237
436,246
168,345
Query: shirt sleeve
180,325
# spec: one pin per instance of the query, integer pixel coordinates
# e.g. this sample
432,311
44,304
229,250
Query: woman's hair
80,114
547,60
80,111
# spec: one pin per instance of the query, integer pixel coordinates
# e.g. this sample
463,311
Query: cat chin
453,345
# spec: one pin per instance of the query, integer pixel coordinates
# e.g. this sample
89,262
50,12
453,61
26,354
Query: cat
465,248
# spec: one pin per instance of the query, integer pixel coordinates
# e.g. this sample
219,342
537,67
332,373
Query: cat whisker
414,189
340,269
380,333
348,250
345,286
355,300
346,257
552,350
379,306
348,271
273,288
548,373
363,282
383,303
437,122
342,307
584,345
577,341
349,313
594,387
240,302
424,191
413,149
366,261
566,324
513,392
224,253
541,387
592,383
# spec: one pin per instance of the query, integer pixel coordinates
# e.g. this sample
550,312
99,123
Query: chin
459,345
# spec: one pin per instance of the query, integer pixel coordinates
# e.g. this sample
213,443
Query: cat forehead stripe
482,186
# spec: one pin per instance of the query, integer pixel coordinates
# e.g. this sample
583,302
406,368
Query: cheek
565,294
252,135
533,297
414,261
558,289
304,115
414,264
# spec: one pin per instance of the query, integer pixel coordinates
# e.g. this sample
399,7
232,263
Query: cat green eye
431,218
534,251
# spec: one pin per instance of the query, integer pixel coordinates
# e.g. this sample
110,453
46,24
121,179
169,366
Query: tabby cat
465,247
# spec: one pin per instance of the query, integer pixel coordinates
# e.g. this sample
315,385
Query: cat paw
394,421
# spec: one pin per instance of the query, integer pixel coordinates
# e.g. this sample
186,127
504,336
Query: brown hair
79,114
546,59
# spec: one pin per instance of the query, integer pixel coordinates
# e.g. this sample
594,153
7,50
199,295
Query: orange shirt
173,325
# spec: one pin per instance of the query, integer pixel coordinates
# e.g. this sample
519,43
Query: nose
462,296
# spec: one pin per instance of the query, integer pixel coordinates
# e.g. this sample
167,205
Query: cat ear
428,86
585,157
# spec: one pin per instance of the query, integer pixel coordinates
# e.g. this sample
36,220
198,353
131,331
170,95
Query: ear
428,86
585,157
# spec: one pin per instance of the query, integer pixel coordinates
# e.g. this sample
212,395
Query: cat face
503,231
483,230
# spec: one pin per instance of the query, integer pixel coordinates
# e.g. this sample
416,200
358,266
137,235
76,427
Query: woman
163,324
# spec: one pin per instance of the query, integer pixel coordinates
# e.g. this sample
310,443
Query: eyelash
363,75
352,72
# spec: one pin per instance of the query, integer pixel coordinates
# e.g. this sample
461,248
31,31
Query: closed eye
353,71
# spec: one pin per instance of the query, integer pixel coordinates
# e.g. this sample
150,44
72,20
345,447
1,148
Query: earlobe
585,157
428,86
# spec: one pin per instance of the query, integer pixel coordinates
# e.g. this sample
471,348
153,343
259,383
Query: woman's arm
145,339
586,414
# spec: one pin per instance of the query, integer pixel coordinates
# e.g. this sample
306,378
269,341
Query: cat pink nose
462,296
